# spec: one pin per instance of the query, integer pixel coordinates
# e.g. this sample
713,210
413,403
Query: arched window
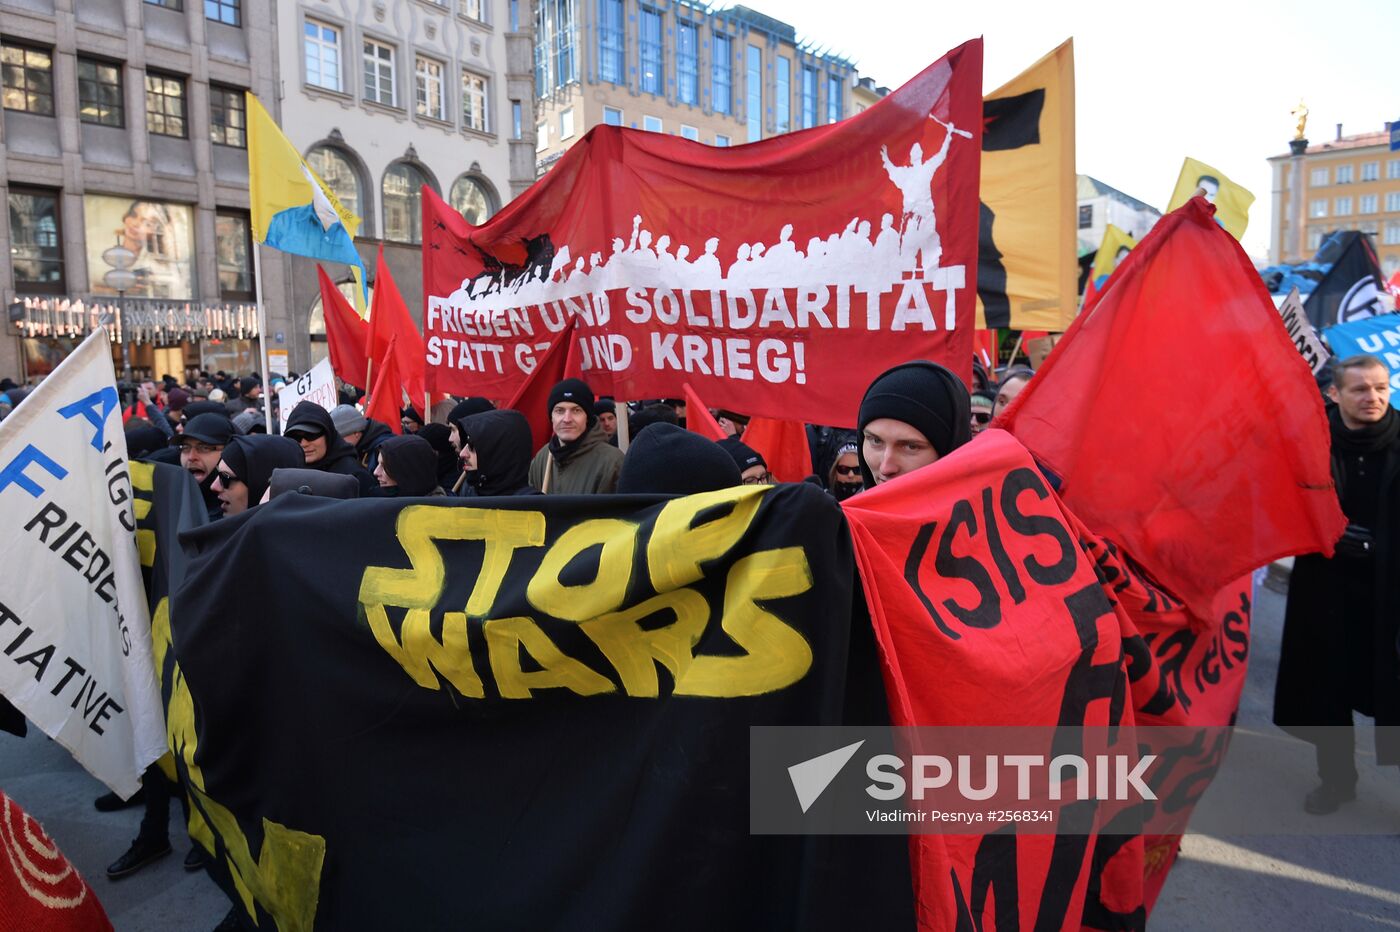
403,202
317,322
334,167
474,198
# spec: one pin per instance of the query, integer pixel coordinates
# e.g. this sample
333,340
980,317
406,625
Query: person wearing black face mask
842,477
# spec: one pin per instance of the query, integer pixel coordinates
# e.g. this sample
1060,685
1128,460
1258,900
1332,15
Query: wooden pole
624,436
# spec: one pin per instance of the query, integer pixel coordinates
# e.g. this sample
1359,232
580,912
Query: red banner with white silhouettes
777,278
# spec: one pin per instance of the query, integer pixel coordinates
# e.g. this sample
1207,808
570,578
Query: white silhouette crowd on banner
866,259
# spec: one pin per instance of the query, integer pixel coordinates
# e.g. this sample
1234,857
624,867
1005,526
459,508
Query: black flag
1353,288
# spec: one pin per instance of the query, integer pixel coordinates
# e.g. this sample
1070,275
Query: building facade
1350,183
720,77
124,170
383,97
1101,204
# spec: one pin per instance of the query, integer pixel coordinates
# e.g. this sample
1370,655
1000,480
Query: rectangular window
809,97
1370,203
1392,170
473,9
228,117
176,5
1086,216
321,47
100,93
234,250
1318,208
565,63
1314,239
541,136
1318,177
379,73
1370,171
611,42
612,116
651,124
165,105
514,15
753,92
1344,173
28,79
690,132
719,75
687,63
1392,201
474,102
556,65
36,241
517,119
653,77
427,88
835,106
566,123
1343,207
1392,233
721,141
782,96
224,11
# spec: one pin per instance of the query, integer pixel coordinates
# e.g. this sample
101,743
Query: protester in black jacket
496,453
407,468
311,426
245,470
201,445
448,468
1340,629
367,447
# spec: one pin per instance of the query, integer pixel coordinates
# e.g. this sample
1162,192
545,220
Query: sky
1155,83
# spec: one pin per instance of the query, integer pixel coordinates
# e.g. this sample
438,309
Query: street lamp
120,279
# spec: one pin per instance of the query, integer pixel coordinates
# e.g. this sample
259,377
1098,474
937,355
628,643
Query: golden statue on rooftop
1300,114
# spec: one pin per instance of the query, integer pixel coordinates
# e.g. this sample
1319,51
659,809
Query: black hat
671,461
253,458
744,455
927,397
309,418
656,413
575,390
206,428
605,405
412,463
247,384
468,407
195,408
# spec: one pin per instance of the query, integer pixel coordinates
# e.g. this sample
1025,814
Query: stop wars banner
992,605
777,278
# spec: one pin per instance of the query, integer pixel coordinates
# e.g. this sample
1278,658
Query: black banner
529,715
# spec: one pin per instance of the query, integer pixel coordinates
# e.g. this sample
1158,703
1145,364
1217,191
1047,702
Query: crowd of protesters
1343,611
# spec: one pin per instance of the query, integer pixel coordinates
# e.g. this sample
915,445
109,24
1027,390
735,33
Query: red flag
386,401
1182,422
984,347
347,333
778,278
783,446
388,319
698,417
559,362
1393,286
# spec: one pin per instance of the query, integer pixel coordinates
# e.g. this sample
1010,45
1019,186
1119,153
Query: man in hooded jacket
911,416
311,426
245,471
496,453
578,460
201,444
407,468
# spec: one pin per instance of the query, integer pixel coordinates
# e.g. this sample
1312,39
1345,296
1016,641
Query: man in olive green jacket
578,460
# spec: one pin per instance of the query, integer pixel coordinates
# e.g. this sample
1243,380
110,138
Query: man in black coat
310,425
1340,629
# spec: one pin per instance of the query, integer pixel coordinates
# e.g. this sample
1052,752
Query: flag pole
624,436
262,333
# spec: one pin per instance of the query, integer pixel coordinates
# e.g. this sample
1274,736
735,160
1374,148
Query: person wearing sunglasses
982,403
311,426
245,470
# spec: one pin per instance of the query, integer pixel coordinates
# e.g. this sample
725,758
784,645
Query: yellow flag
1027,274
1116,244
1231,201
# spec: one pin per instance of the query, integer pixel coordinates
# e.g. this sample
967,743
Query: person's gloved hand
1356,543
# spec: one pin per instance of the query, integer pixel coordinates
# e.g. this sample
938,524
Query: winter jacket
587,466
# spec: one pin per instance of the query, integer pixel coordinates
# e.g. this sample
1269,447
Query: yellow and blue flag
1116,244
1231,200
293,209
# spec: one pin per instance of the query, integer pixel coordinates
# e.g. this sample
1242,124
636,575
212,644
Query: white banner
75,633
1301,332
318,385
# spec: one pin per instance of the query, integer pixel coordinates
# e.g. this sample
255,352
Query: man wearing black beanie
669,460
911,416
578,460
